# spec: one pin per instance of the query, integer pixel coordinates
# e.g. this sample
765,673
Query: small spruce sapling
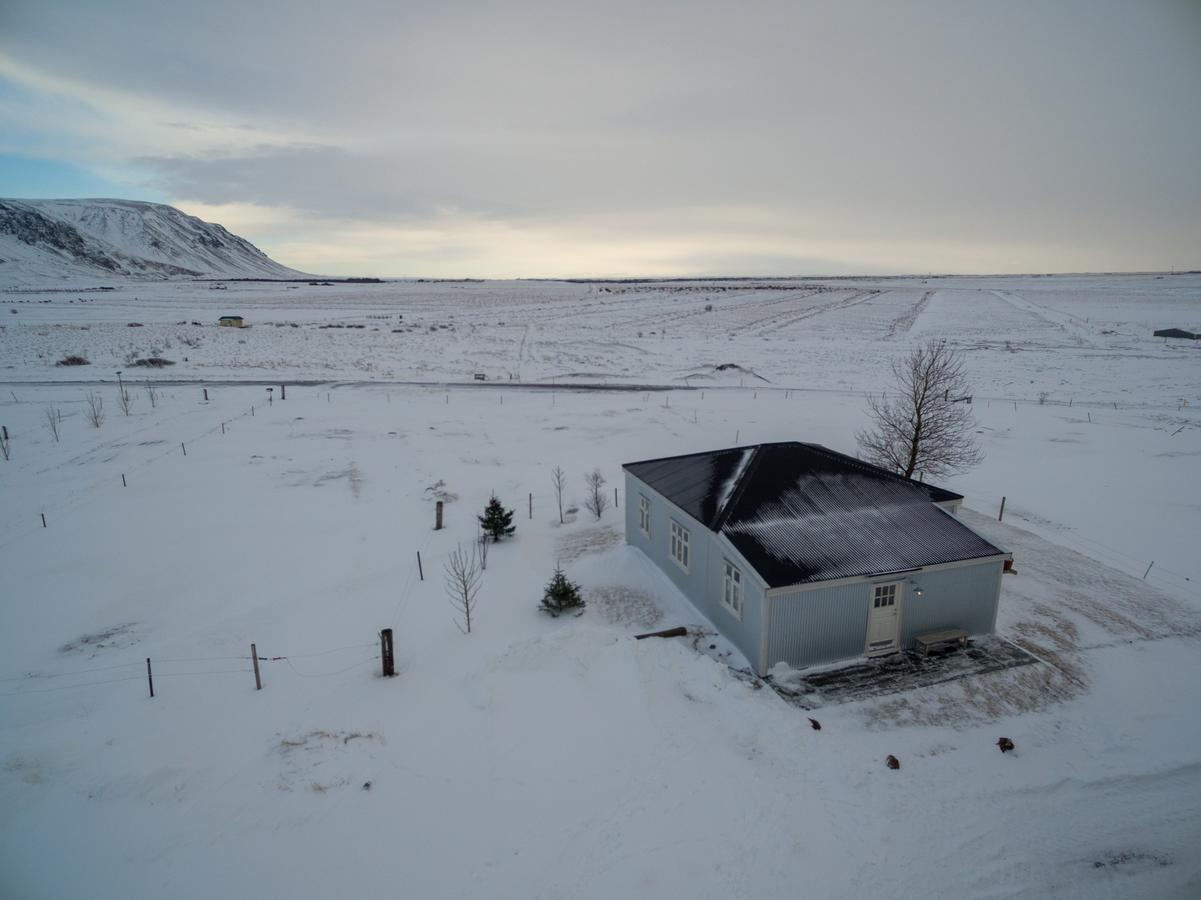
561,595
497,522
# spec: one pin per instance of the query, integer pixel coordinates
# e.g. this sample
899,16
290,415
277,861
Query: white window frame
679,545
731,589
644,514
886,594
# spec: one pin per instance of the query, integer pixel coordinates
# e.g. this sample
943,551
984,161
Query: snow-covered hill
55,240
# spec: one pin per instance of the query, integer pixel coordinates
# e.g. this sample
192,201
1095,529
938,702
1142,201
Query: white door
884,619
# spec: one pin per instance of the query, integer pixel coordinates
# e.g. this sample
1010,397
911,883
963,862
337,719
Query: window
885,595
679,545
644,515
731,592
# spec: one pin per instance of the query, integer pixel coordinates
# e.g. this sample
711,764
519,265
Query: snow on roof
801,513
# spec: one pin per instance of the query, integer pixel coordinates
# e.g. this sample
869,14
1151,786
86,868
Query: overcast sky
612,138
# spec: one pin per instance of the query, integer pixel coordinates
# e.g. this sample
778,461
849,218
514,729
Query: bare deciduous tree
95,412
926,426
54,419
463,576
559,480
597,500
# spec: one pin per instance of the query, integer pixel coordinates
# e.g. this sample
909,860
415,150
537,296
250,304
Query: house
1177,333
802,555
230,321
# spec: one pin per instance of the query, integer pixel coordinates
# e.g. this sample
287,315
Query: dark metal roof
801,513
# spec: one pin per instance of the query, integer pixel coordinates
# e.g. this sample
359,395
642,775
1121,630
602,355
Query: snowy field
561,758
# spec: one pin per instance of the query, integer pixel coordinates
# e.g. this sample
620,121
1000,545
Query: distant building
1177,333
230,321
802,555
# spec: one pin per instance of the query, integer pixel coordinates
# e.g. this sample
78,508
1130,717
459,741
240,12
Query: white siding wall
703,582
820,625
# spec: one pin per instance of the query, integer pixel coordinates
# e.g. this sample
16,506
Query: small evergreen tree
497,521
561,595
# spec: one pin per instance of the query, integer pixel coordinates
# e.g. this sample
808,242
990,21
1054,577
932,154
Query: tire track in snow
905,322
854,300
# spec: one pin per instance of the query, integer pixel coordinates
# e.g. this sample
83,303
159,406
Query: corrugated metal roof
698,483
802,513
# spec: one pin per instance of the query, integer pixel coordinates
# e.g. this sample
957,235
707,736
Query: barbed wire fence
148,669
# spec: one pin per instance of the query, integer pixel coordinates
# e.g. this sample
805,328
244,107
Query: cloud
787,135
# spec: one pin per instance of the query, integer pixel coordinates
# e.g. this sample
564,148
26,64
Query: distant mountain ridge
52,240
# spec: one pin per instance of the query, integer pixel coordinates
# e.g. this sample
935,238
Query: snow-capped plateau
67,240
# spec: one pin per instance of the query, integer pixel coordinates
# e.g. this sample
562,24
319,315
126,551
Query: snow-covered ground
556,758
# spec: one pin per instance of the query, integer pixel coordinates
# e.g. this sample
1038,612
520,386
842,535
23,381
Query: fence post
123,484
438,516
254,656
149,676
206,395
420,571
1148,572
283,392
1001,514
43,520
385,652
183,448
531,504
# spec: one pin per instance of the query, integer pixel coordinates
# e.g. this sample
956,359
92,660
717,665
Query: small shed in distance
230,321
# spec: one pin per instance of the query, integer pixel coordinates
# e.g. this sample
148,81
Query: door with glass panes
884,619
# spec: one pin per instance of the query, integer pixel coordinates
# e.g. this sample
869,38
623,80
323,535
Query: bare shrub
482,539
597,501
95,413
152,394
54,420
125,402
73,361
463,576
5,445
927,426
559,480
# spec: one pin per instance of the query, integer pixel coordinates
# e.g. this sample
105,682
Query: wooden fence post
1001,514
386,653
43,520
206,395
438,516
123,484
254,657
283,392
531,504
183,448
420,571
149,676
